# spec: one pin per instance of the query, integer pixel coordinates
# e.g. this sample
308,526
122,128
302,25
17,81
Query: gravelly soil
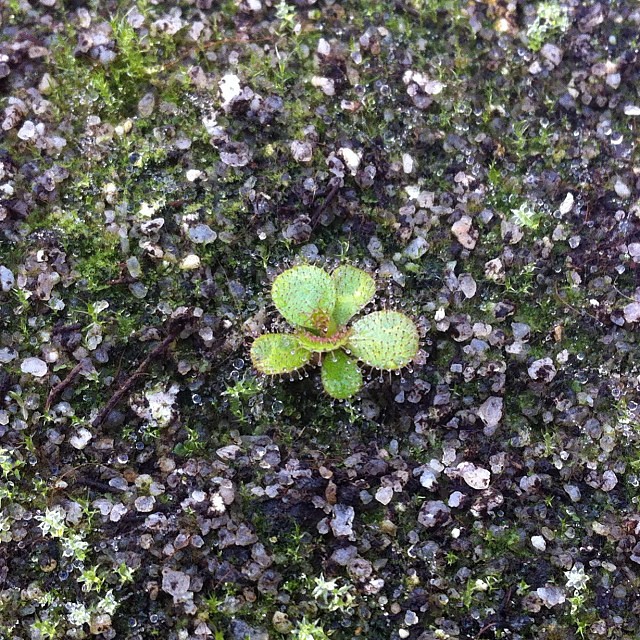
161,163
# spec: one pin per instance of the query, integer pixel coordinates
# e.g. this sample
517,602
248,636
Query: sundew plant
321,306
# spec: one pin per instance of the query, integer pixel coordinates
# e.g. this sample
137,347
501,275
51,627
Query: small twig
140,371
568,306
73,470
485,628
401,6
624,295
315,218
62,385
96,484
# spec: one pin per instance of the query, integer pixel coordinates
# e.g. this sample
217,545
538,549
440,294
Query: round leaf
341,377
305,295
354,289
384,340
276,353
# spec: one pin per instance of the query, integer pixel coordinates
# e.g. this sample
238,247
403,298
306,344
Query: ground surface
162,162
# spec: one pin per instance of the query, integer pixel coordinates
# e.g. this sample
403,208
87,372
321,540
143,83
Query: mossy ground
453,110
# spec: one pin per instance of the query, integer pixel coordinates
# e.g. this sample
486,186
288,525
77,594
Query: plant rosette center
322,344
319,306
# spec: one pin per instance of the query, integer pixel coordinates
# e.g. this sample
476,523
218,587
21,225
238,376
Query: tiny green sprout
320,306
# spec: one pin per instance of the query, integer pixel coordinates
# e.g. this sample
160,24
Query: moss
504,542
110,91
503,133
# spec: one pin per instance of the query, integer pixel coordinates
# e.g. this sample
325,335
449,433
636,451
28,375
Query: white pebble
342,521
463,232
428,479
416,248
133,267
375,248
46,84
573,492
351,158
202,234
609,480
384,495
301,151
490,413
190,262
455,499
467,285
551,596
552,54
542,369
7,279
144,504
34,366
7,355
27,131
407,163
117,512
475,477
567,204
324,48
146,105
613,80
326,85
229,89
621,189
631,312
411,618
539,543
81,438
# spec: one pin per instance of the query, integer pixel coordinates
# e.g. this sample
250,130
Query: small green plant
309,630
46,629
9,465
526,216
125,573
551,20
319,306
90,579
330,596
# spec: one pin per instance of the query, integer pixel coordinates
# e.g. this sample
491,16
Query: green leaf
354,289
275,353
384,340
341,377
305,295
